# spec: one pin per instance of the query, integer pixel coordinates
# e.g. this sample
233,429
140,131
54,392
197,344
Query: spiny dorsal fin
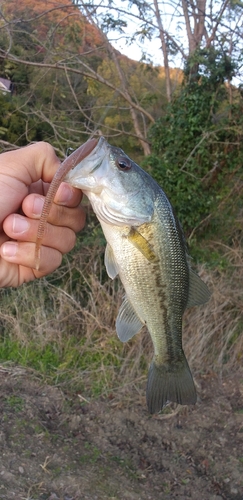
198,291
127,322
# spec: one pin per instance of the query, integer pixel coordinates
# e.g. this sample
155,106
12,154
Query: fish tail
170,382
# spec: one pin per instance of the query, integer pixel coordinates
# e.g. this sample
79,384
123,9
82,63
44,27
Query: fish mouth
111,195
90,164
100,151
96,166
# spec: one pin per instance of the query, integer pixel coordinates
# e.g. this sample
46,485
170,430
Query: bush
198,148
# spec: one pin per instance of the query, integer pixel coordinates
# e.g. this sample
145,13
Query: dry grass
213,333
64,327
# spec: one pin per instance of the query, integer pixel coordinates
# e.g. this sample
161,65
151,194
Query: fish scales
146,247
157,289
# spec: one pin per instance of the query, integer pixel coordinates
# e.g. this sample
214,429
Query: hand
25,175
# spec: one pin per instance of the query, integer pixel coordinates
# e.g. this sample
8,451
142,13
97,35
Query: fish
147,249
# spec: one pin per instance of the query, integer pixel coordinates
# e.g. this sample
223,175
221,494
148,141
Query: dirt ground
55,446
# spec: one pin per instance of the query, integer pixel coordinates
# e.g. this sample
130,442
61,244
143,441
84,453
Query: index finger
37,161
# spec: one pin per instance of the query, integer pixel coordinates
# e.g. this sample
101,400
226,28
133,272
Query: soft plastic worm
68,164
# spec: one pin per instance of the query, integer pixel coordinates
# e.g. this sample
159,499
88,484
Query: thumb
31,163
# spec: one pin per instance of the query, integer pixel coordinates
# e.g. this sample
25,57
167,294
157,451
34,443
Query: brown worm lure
68,164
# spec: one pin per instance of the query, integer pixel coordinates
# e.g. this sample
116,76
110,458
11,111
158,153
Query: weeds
64,326
213,333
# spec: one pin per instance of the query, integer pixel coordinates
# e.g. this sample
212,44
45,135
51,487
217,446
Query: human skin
25,175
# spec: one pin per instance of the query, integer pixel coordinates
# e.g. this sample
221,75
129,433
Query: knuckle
46,147
71,240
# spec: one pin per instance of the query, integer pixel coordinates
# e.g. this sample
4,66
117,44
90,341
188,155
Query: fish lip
97,166
90,164
96,150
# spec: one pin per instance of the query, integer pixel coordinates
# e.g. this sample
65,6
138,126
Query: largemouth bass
146,247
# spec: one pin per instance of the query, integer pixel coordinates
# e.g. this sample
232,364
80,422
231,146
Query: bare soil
56,446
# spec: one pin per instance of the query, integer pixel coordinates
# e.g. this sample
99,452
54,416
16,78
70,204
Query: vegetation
63,327
197,144
185,127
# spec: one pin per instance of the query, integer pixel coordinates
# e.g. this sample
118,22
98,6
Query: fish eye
123,163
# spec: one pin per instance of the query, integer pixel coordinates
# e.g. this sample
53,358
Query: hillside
88,85
60,17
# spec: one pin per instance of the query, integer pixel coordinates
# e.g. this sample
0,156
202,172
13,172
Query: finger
24,258
68,195
19,169
60,215
39,187
22,229
38,161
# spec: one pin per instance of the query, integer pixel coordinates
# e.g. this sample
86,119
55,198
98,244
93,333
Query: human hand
25,175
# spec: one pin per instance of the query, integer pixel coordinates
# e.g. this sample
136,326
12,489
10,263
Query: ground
57,446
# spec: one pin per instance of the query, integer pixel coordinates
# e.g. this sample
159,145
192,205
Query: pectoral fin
127,322
198,291
141,244
110,263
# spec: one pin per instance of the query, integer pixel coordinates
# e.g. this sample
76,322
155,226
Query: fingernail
9,249
64,193
38,205
20,224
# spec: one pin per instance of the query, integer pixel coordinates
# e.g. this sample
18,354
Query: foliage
111,111
50,105
13,123
61,68
197,145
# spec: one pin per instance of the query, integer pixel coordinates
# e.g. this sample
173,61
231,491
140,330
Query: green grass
14,403
61,364
63,327
90,454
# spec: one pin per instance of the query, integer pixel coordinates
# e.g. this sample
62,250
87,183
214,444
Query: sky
172,17
152,48
135,51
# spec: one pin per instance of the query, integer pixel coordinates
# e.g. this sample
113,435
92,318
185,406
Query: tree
67,51
183,28
68,45
198,144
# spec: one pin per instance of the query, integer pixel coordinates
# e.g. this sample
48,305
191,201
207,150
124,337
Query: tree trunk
164,50
141,137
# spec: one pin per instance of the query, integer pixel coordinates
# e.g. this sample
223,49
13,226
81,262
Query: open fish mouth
90,164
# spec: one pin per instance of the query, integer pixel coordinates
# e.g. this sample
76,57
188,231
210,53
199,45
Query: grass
63,327
213,332
14,403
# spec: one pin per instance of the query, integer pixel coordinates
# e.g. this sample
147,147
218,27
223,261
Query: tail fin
170,382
